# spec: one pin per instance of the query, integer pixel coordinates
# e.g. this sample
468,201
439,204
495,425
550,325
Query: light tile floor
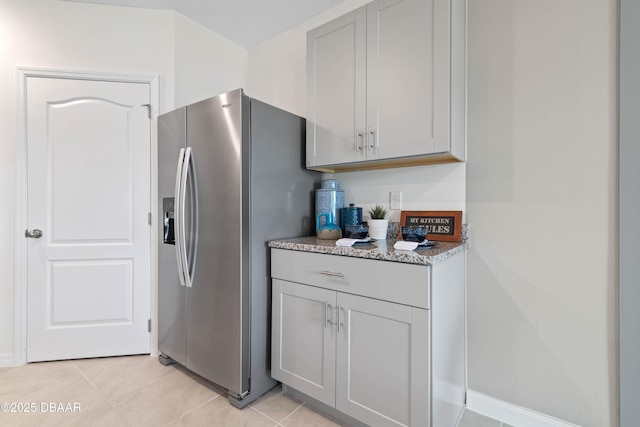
139,391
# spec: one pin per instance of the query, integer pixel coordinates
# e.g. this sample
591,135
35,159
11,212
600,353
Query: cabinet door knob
371,139
359,139
340,308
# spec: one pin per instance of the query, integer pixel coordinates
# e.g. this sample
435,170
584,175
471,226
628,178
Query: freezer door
217,301
171,296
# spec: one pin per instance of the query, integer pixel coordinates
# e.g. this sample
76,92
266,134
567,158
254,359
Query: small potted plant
378,224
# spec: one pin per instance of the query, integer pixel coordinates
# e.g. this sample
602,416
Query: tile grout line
89,381
111,402
292,412
102,405
130,423
275,423
196,408
281,393
148,384
107,401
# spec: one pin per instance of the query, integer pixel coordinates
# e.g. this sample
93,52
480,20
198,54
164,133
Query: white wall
539,195
435,187
206,64
85,37
277,74
70,36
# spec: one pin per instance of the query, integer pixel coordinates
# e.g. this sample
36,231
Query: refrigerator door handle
182,246
188,174
179,217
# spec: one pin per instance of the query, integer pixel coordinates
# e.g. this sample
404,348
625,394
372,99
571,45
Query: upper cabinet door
400,78
336,79
395,96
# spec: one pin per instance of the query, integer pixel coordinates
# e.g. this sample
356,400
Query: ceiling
245,22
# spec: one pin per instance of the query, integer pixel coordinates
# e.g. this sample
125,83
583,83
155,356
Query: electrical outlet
395,200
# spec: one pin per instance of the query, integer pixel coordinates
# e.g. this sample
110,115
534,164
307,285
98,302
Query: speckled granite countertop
382,250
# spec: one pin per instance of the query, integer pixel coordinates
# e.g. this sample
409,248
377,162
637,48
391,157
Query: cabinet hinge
149,325
148,109
149,218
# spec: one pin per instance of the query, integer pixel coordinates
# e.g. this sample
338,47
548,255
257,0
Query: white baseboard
509,413
6,360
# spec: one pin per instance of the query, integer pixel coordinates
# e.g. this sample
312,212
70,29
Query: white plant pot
378,228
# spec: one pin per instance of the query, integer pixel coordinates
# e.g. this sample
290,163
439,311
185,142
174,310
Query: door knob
33,234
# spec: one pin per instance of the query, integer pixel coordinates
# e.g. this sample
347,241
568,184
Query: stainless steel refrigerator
231,177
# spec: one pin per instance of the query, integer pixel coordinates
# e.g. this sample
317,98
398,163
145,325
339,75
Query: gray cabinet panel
303,349
400,77
448,344
336,64
407,284
386,86
629,209
383,352
389,363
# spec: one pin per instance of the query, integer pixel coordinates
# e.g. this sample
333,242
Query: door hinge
149,218
149,325
148,109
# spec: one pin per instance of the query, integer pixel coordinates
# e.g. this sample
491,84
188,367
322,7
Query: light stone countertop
381,250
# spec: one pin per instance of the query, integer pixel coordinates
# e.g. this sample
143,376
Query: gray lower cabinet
304,340
356,335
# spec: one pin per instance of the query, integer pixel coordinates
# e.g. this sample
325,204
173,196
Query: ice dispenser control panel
167,220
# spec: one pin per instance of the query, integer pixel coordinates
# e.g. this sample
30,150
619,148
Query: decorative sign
443,226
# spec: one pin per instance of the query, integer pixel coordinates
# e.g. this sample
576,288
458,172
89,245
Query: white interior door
88,192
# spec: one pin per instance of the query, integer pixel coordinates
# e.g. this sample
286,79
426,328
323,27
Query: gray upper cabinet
386,86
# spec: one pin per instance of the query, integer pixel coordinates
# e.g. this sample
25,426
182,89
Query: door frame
628,369
20,195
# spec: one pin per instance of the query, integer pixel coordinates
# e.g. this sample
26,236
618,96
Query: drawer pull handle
332,273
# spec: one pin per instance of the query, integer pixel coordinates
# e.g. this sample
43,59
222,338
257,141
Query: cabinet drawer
407,284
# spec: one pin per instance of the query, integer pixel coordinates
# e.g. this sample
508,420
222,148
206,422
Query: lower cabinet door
303,339
382,376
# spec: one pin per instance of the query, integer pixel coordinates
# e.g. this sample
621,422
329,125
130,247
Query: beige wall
541,193
538,190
